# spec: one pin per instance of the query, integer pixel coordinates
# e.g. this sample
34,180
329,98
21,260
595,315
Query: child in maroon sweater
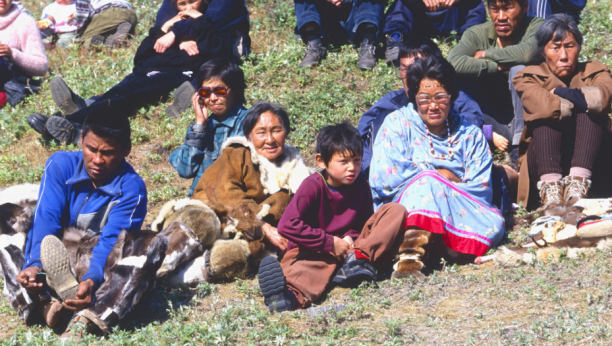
330,223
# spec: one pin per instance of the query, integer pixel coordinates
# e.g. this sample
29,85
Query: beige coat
534,84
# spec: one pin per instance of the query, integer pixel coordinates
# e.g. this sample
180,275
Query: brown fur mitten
243,219
229,259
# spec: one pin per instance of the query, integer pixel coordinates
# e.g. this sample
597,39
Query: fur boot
202,220
411,254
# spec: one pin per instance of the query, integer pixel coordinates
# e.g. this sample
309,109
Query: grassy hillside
562,303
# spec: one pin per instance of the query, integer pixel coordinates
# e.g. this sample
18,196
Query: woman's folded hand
449,175
164,42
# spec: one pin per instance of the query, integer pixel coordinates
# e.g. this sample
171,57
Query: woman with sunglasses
221,91
438,166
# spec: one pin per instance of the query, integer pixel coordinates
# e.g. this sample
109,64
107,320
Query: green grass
562,303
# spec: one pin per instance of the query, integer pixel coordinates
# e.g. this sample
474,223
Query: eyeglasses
401,71
439,98
219,90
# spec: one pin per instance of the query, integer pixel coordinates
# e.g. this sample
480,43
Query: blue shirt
372,120
201,149
67,198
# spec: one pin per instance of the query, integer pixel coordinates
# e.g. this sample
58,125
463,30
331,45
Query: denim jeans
338,24
546,8
415,20
499,102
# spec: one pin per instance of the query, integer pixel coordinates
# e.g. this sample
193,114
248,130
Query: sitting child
331,225
57,23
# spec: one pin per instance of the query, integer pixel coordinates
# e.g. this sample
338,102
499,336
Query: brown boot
411,253
575,187
51,312
551,193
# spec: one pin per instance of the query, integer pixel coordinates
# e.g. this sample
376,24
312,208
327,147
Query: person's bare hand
84,297
201,112
449,175
340,248
336,3
29,279
273,236
190,14
6,51
164,42
449,3
167,25
70,17
502,67
191,47
349,240
552,91
479,55
500,142
432,5
51,18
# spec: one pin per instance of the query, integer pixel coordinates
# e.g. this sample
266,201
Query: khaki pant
309,272
106,22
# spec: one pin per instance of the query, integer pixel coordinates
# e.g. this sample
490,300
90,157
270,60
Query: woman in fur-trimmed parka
247,188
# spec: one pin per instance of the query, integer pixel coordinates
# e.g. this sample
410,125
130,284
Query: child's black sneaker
354,271
274,287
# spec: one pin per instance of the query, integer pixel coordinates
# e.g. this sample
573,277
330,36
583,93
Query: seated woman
159,68
222,91
438,166
566,106
256,175
22,54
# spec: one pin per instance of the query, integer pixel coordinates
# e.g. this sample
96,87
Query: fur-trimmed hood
288,173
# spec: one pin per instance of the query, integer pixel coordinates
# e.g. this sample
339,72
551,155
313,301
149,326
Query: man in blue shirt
97,192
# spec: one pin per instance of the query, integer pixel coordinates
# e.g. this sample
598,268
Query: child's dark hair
226,71
340,138
415,46
110,123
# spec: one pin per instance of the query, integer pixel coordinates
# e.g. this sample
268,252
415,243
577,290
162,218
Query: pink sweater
19,31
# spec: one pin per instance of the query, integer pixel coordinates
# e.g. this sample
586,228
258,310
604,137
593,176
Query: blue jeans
338,24
546,8
413,19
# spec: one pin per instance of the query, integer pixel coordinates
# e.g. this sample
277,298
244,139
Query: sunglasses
205,92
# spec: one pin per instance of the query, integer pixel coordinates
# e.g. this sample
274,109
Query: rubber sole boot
61,129
56,262
274,287
38,121
119,38
64,97
367,55
182,100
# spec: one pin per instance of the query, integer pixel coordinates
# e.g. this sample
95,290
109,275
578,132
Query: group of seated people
415,180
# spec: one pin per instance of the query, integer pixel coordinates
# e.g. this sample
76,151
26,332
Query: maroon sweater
317,213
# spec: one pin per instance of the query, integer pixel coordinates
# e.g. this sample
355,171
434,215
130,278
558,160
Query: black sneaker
367,57
120,37
314,53
61,129
37,121
393,48
354,272
64,97
182,100
274,287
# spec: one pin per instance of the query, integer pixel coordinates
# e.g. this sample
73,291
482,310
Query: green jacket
524,51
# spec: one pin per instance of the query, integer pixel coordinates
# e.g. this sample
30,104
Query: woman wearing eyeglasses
438,166
219,110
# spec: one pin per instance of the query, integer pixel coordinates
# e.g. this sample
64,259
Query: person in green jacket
486,59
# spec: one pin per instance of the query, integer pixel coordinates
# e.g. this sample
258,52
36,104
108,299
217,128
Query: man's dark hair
226,71
340,138
108,122
257,110
555,29
415,46
521,3
435,69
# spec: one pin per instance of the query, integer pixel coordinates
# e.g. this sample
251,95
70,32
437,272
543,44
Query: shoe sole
120,36
56,263
182,100
271,280
62,97
60,129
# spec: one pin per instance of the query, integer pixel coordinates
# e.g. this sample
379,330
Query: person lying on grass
159,68
334,234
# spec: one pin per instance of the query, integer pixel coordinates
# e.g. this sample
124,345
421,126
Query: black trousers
134,92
